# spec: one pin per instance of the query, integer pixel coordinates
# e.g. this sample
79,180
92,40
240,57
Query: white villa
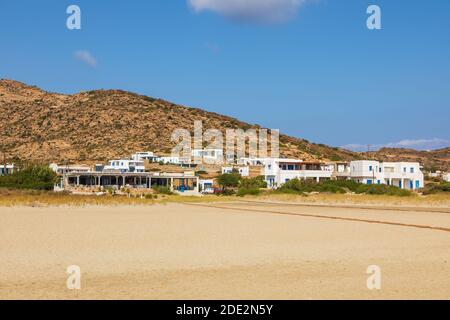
63,169
405,175
446,177
147,155
277,171
169,160
125,165
208,155
6,169
243,171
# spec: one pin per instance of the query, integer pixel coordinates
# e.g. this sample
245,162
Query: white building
7,169
446,177
243,171
208,155
169,160
141,156
64,169
277,171
405,175
436,174
206,186
125,165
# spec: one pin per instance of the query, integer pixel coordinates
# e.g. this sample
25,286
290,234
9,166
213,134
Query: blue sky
308,67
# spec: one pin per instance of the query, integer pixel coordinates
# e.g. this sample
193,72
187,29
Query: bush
162,190
229,180
31,177
253,183
244,192
382,189
300,186
340,186
434,188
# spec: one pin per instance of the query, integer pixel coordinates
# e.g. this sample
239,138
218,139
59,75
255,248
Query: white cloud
262,11
86,57
418,144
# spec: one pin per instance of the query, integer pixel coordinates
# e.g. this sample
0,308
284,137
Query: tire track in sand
418,226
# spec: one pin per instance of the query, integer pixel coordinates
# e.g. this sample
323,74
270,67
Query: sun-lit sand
199,251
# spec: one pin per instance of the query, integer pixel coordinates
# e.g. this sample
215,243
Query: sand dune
179,251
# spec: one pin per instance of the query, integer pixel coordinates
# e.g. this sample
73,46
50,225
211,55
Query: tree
229,180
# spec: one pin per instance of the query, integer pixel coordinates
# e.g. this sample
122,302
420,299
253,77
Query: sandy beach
223,251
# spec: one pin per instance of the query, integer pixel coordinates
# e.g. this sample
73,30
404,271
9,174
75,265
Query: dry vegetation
80,127
431,160
436,200
29,198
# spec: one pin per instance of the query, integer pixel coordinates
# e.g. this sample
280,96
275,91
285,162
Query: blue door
369,181
417,184
411,184
400,184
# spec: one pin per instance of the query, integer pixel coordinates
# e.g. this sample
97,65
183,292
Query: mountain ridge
97,125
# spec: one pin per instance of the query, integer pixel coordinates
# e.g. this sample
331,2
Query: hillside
431,160
98,125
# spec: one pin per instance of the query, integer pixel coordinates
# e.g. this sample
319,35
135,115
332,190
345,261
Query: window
370,168
404,170
269,167
411,170
379,170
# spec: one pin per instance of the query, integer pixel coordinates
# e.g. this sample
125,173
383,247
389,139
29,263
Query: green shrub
340,186
227,192
434,188
252,191
253,183
31,177
162,190
305,186
229,180
382,189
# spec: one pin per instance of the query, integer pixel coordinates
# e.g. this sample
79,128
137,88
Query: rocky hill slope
98,125
431,160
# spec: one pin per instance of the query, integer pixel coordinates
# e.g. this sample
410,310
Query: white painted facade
206,186
125,165
405,175
278,171
169,160
212,156
7,169
446,177
147,155
243,171
63,169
